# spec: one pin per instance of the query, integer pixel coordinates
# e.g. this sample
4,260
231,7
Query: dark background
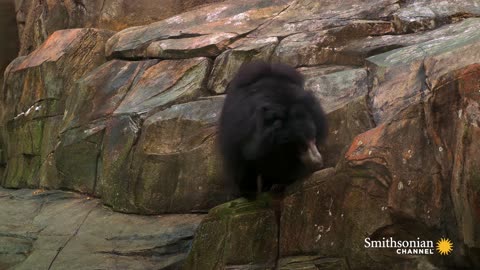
8,35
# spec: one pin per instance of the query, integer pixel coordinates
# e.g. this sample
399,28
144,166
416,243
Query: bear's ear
251,72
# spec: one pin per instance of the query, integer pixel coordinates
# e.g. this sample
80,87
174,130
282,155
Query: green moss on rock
236,233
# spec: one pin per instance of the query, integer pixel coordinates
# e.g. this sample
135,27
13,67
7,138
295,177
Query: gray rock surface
224,19
405,76
63,230
39,19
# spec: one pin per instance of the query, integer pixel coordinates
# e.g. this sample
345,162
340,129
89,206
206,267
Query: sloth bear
269,128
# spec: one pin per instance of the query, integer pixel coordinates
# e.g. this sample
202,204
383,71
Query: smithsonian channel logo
412,247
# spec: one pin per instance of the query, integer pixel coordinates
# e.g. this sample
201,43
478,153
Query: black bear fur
268,126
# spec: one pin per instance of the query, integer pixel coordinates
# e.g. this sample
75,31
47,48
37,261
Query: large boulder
122,141
35,95
86,137
395,182
454,118
429,176
173,166
74,164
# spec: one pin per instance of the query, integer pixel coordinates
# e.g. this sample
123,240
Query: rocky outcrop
408,174
203,32
64,230
130,117
87,137
161,170
39,19
35,98
413,77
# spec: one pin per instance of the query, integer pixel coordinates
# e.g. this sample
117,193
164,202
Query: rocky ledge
64,230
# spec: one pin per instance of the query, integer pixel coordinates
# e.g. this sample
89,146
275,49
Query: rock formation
128,115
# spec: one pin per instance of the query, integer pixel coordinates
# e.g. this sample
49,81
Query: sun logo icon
444,246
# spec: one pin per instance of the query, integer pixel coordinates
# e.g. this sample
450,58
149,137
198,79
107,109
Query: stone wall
130,117
39,19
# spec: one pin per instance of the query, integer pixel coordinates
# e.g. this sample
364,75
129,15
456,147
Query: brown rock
408,172
329,216
358,50
454,118
120,14
173,167
170,148
99,142
66,47
227,64
35,95
313,16
63,230
76,158
427,172
3,158
426,14
208,46
76,163
166,83
318,210
405,76
323,47
236,235
37,20
236,17
99,93
344,125
116,176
